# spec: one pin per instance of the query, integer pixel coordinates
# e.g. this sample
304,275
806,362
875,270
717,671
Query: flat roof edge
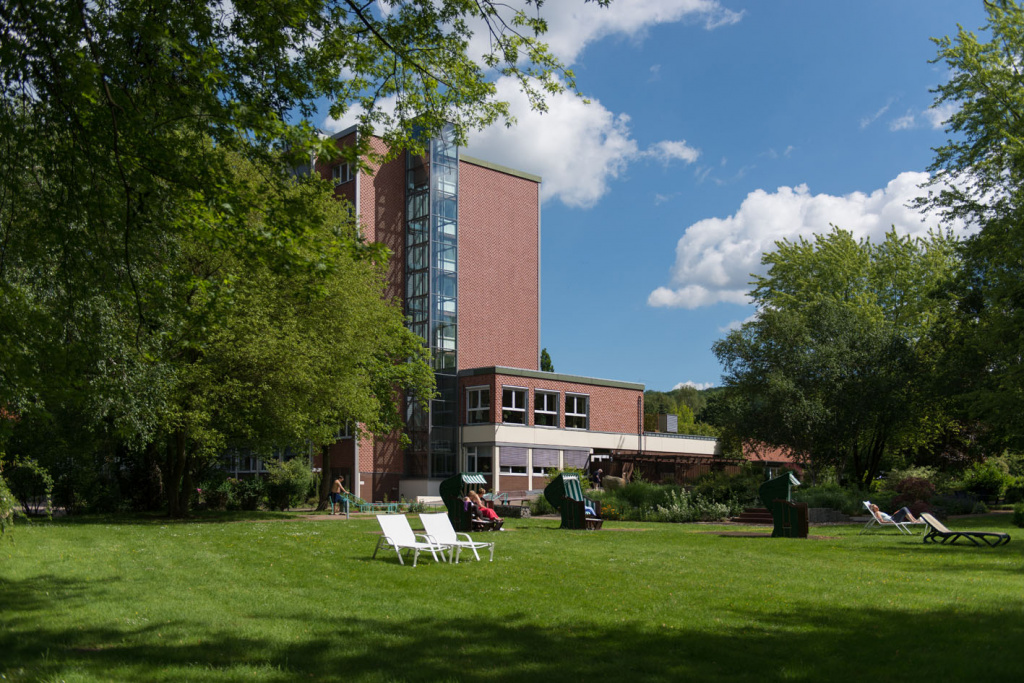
555,376
498,167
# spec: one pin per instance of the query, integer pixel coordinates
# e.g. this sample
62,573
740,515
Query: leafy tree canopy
835,366
979,179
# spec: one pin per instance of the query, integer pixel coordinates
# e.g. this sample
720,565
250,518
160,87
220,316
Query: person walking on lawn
338,488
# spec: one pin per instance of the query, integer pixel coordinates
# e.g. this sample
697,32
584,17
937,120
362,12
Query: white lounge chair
399,535
439,527
880,518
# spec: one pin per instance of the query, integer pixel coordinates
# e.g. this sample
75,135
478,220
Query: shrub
287,483
74,486
1018,514
984,480
721,486
911,489
1014,490
541,506
683,507
979,508
961,504
830,496
8,506
29,482
245,494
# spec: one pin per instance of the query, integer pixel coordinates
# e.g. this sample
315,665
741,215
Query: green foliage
847,501
165,279
540,506
836,366
545,361
985,481
29,482
681,506
8,506
287,483
1014,492
245,494
1018,515
978,177
722,486
960,504
912,492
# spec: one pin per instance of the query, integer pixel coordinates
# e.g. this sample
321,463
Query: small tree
545,361
287,483
29,482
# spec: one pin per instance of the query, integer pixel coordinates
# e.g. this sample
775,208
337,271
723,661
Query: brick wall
612,409
499,289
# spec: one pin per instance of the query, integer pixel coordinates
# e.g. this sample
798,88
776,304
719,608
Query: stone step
754,516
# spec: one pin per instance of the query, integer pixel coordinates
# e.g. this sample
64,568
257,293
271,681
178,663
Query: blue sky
714,129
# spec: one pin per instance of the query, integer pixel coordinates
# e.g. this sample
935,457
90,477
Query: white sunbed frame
882,519
397,534
439,527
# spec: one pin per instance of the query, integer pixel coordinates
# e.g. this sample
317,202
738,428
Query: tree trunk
325,479
177,468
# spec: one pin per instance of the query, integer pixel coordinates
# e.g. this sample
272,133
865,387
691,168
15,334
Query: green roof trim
553,376
499,168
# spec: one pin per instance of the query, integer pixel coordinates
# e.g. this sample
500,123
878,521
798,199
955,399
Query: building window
577,411
478,402
342,173
513,469
545,408
478,459
513,405
542,471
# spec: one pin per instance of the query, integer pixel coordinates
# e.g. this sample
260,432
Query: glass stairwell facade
431,298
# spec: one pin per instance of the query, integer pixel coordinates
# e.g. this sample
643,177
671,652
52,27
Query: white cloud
737,324
715,256
576,147
937,116
868,120
671,150
904,122
700,386
574,25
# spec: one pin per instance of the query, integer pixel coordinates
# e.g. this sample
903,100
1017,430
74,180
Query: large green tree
835,367
163,278
979,179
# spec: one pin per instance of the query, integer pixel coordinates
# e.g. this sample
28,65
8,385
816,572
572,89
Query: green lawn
278,599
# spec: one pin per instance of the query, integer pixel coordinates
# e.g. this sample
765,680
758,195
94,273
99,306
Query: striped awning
473,479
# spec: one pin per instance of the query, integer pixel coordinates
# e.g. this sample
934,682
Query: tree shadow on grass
959,642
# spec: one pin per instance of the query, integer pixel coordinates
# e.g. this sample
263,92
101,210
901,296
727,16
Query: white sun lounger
399,535
439,527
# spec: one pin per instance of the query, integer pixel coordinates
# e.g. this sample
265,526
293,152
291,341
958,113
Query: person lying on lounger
900,516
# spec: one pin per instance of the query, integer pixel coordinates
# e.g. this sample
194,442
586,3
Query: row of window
514,402
479,459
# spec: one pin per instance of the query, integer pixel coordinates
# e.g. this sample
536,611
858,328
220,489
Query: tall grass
275,599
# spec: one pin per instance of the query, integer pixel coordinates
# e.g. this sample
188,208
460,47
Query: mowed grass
279,599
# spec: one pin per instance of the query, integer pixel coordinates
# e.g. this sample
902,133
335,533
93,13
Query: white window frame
478,411
520,410
537,393
342,173
572,417
513,469
473,458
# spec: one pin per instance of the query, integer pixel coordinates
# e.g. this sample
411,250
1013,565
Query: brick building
465,234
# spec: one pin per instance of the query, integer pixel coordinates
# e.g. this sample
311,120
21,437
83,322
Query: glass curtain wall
431,297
